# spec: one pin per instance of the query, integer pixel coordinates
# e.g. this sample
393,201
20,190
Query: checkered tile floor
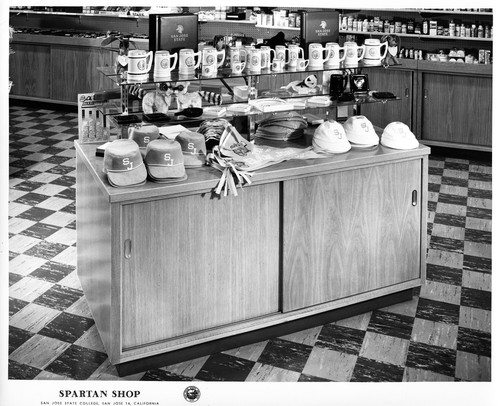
443,334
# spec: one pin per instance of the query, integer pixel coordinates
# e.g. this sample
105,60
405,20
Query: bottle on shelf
462,30
480,32
451,28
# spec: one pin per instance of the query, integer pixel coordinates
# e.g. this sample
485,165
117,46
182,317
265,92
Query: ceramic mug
278,65
188,61
237,67
266,52
139,63
280,53
236,53
352,54
246,52
295,52
302,63
209,60
317,55
255,60
373,54
163,65
334,57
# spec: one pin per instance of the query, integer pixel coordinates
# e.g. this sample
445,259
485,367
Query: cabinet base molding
200,350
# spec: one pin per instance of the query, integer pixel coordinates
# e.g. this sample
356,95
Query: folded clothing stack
282,127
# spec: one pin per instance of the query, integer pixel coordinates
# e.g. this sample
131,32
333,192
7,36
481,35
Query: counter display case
173,272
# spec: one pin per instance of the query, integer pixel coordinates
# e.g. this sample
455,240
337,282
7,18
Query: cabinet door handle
407,92
414,198
127,248
426,94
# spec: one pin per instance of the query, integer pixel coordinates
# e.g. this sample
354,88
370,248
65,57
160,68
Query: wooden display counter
172,272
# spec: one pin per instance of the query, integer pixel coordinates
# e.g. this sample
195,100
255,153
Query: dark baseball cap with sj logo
165,161
123,164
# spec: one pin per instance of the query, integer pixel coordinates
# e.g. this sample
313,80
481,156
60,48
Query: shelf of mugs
419,36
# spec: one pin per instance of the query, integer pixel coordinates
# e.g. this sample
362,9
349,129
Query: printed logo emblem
323,24
141,65
180,29
192,394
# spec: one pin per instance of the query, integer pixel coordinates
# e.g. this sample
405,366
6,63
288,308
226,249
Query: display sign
173,32
318,27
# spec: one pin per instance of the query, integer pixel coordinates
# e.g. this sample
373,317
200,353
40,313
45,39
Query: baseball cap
193,147
143,135
123,164
360,132
397,135
164,161
330,137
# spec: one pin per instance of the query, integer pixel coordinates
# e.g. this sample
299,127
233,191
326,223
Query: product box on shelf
173,32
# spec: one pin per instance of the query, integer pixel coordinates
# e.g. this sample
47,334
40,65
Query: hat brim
193,161
412,144
169,180
166,172
132,177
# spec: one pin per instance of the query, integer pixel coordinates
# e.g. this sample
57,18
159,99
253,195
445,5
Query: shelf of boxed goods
416,36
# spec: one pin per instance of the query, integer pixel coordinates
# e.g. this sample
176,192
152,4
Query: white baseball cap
360,132
330,138
397,135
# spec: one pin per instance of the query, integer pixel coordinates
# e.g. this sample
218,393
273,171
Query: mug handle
306,63
344,54
175,56
270,55
149,60
197,55
243,64
223,53
386,48
363,48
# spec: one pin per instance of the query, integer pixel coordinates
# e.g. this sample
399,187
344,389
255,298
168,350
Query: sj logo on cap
127,164
168,157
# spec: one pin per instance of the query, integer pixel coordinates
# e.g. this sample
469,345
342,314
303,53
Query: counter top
205,179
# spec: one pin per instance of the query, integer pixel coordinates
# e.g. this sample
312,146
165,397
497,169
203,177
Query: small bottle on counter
480,32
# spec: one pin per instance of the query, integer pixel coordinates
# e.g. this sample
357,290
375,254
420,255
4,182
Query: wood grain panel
457,109
398,82
29,69
93,230
199,262
74,71
350,232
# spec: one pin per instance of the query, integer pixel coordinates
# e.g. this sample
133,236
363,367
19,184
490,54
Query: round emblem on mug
164,63
315,55
372,52
255,61
189,61
210,60
350,53
141,65
192,393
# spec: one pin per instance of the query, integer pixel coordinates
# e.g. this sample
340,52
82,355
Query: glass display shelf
222,73
234,110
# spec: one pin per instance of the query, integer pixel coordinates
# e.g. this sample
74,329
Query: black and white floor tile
443,334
